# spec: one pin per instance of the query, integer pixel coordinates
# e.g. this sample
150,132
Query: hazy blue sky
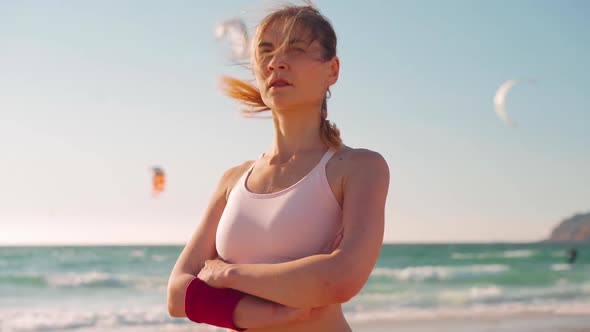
94,93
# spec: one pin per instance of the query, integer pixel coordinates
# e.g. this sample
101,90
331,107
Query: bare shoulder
364,161
231,176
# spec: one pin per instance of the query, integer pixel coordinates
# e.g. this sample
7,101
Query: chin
281,102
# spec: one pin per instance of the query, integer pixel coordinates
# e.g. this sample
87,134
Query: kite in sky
237,32
158,181
500,101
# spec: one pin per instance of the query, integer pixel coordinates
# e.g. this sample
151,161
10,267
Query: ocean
116,288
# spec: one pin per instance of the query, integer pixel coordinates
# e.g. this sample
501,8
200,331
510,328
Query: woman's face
296,75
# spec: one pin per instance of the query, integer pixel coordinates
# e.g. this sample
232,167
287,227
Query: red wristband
210,305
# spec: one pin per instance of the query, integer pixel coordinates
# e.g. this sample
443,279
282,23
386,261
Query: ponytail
328,131
249,95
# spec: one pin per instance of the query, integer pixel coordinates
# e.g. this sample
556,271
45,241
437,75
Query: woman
286,239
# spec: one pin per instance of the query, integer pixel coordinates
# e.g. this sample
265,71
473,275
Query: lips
278,83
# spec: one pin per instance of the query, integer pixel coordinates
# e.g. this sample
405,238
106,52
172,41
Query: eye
297,49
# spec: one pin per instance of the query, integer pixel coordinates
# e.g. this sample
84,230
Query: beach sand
522,323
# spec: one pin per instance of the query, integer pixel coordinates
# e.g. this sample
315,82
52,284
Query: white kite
237,33
500,100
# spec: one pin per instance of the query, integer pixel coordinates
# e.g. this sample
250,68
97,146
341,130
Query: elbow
175,311
345,290
175,299
347,282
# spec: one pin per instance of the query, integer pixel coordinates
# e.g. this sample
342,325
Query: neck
296,132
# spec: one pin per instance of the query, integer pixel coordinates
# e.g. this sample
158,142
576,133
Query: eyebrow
292,41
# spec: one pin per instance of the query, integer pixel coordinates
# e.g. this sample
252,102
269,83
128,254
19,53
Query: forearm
255,312
251,311
312,281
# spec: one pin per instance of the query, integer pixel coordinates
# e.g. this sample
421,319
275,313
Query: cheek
315,84
260,80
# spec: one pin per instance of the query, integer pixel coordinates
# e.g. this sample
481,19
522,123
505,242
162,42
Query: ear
333,71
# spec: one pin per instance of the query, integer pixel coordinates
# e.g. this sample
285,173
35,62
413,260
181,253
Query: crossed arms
284,292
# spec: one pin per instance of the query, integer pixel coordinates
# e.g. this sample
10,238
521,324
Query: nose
277,62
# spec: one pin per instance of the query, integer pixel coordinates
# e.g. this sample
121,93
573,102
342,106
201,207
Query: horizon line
155,244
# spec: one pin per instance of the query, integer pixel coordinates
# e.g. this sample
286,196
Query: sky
94,93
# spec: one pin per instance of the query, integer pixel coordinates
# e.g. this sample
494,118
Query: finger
337,242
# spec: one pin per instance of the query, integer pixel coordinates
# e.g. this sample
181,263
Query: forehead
277,31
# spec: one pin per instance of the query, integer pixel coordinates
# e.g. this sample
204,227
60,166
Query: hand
214,273
287,315
328,249
254,312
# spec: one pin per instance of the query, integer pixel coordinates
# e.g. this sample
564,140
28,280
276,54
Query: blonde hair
319,28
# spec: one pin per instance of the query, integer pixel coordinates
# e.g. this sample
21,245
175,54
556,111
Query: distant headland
573,229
